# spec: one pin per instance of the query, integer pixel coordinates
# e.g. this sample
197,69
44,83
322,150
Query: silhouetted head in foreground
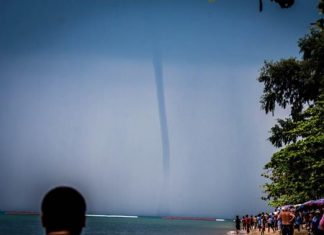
63,211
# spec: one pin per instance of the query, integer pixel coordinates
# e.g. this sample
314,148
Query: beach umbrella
306,205
319,203
309,203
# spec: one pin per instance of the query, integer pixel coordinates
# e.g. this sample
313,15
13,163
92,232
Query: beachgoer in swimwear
287,219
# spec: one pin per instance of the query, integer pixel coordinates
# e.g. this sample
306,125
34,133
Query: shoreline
296,232
257,232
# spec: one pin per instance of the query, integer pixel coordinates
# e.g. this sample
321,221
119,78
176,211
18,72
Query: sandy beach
256,232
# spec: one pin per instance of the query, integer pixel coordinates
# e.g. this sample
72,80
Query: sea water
31,225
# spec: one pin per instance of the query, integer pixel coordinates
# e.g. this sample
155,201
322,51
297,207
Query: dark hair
63,208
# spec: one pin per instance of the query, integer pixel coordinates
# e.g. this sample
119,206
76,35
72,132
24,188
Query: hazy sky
79,102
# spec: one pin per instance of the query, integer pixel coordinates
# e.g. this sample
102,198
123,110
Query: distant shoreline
20,213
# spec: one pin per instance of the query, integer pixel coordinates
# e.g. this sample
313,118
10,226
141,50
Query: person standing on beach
251,222
255,222
270,223
275,221
237,224
264,222
307,221
248,223
298,221
287,219
63,212
316,222
259,221
321,223
279,224
244,222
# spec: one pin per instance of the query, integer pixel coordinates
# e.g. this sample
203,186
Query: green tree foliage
292,82
296,171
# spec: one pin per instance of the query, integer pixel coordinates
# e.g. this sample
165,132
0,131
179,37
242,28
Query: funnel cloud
158,71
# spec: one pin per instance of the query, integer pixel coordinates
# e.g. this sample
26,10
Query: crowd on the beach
283,220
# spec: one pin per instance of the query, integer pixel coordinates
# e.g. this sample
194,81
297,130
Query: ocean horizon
122,224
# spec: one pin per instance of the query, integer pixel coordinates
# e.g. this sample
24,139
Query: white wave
231,232
220,220
234,232
114,216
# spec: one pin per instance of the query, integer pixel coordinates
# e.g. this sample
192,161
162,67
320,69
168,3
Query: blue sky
79,105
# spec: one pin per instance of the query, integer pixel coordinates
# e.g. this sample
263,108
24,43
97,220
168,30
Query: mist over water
141,126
